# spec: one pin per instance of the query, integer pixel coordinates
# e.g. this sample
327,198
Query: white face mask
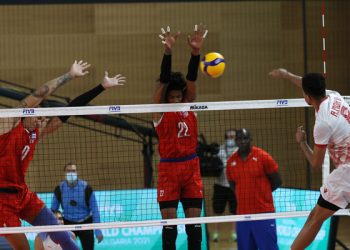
71,177
230,143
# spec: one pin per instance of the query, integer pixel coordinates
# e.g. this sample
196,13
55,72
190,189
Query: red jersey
252,186
177,132
16,151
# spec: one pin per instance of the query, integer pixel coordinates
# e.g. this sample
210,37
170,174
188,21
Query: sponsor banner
141,205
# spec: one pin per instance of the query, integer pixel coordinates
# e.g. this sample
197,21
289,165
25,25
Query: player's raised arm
77,69
285,74
195,41
168,40
84,99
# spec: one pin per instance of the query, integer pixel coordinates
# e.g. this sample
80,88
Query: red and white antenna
324,33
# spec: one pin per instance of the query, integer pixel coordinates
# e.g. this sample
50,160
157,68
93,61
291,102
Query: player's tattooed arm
77,69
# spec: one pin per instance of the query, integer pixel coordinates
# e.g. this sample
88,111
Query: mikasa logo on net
196,107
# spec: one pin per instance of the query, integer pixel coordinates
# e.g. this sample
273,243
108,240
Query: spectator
79,205
253,174
223,193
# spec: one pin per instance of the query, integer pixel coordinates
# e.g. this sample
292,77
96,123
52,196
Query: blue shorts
260,234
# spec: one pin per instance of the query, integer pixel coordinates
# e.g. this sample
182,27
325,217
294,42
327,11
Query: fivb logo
28,111
114,109
282,102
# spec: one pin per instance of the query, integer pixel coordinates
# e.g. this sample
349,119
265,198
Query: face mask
71,177
230,143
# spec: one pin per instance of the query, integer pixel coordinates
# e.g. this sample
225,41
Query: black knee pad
194,236
169,235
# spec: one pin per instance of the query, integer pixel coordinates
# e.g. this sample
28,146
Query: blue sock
46,217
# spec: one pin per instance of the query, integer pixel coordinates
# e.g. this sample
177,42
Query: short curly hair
314,84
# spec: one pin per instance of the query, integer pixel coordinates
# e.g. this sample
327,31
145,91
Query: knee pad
169,235
64,239
194,236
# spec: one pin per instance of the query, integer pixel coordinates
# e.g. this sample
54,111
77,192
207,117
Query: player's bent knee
194,236
169,235
64,239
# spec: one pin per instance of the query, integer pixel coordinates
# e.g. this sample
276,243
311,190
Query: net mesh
115,150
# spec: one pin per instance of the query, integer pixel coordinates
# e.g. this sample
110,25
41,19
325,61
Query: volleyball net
115,150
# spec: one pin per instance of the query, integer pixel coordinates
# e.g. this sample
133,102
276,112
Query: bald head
243,141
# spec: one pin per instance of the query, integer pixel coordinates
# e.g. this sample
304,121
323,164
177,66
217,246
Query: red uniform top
16,151
252,187
177,132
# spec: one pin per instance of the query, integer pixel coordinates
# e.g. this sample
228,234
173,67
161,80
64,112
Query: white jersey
224,154
332,128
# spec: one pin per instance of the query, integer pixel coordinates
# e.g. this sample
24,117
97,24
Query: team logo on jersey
255,159
32,137
234,163
161,193
184,114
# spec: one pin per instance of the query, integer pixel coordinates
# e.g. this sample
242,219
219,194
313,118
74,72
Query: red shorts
178,180
23,205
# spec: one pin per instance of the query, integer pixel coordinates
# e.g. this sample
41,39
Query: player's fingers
161,37
162,30
205,33
163,42
168,29
189,38
86,66
122,79
80,62
106,74
177,35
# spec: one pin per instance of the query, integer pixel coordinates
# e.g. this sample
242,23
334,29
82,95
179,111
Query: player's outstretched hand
279,73
168,39
196,39
109,82
300,135
79,69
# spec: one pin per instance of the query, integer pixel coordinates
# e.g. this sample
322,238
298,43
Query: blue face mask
230,143
71,177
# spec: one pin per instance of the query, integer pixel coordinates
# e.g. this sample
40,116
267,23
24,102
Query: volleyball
213,64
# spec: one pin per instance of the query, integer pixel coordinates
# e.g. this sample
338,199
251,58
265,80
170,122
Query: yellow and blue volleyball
213,64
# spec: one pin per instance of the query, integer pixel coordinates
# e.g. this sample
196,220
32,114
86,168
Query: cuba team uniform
254,195
178,169
332,130
16,200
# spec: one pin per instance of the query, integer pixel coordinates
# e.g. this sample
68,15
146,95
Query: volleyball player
179,176
18,138
44,242
332,132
